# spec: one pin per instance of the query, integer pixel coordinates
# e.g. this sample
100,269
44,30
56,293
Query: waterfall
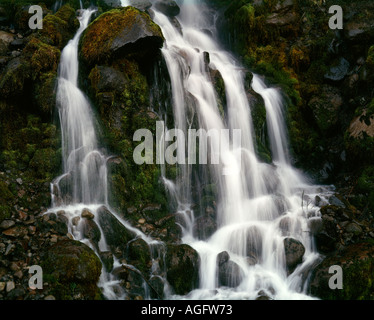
82,187
259,207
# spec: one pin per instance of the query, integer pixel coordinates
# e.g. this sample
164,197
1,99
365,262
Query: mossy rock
182,265
43,57
70,264
14,77
125,32
59,28
357,263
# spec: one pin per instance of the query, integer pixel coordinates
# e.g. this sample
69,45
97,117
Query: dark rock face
182,265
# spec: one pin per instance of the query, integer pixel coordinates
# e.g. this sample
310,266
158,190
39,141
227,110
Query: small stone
2,286
50,297
354,228
19,181
87,214
54,238
141,220
18,274
75,220
10,285
8,249
6,224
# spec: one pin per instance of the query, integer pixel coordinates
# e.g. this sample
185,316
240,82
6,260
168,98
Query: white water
252,202
83,184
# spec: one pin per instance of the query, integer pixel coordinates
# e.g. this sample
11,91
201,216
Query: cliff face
326,75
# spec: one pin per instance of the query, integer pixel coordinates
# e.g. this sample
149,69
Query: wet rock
107,79
168,7
87,214
157,285
204,227
142,5
294,251
115,233
182,265
91,231
107,260
139,254
253,242
229,272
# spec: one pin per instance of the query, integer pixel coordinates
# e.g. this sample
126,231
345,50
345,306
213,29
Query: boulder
294,251
115,233
139,254
142,5
71,263
13,78
107,79
338,70
121,32
168,7
182,268
229,272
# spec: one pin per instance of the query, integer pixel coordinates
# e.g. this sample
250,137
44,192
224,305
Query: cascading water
261,206
82,188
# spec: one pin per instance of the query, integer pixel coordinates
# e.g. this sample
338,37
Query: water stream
258,205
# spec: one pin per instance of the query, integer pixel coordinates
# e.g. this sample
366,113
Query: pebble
87,214
141,220
50,297
19,181
2,286
6,224
10,285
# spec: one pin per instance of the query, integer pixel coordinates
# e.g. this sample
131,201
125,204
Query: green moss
59,28
96,42
44,57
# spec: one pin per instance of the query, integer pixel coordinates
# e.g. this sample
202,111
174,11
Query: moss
43,57
59,28
96,42
6,196
72,269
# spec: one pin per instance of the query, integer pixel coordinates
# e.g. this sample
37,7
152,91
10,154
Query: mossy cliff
118,51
